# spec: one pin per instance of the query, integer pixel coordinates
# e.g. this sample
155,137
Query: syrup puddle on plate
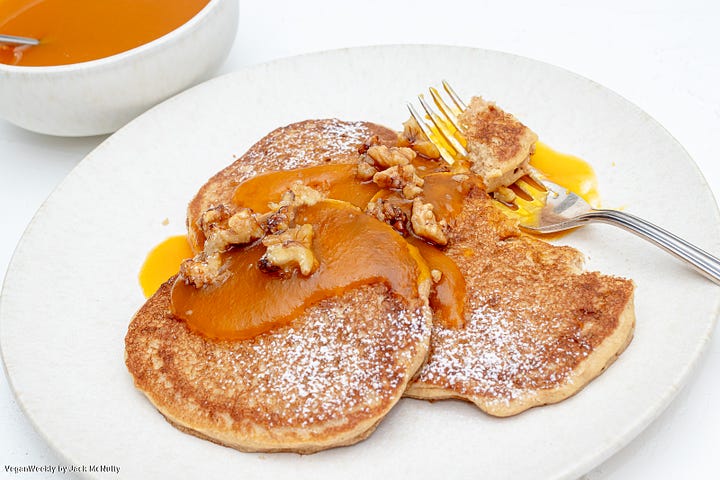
162,262
566,170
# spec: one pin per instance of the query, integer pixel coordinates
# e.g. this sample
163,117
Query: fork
563,209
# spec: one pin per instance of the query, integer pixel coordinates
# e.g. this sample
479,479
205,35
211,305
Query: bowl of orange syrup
101,63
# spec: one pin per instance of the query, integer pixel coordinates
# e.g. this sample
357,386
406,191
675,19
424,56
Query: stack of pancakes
537,328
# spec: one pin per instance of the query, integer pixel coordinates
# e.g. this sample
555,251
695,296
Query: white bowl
100,96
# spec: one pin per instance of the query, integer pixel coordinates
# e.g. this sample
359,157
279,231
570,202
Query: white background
661,55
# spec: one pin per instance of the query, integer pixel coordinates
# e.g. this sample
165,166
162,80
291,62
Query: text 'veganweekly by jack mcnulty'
61,469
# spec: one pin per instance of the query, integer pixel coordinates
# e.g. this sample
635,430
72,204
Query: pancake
499,146
537,328
324,380
303,144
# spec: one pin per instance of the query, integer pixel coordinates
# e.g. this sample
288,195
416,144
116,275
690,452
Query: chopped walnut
411,191
391,214
425,224
287,257
303,234
282,214
305,195
414,137
375,158
218,241
277,221
214,217
289,250
240,228
202,270
222,228
245,226
401,177
369,142
385,157
299,194
436,275
365,171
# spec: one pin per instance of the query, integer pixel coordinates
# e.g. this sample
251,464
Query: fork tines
441,126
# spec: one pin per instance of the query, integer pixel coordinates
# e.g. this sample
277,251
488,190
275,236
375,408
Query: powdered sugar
328,139
531,320
502,354
343,357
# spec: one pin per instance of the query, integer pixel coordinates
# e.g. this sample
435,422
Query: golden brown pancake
537,330
499,146
303,144
324,380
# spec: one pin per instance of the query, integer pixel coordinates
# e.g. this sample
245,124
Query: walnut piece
375,158
365,171
282,214
222,227
202,270
289,250
213,216
277,221
287,247
241,228
385,157
436,275
244,226
304,195
391,214
414,137
401,177
425,224
299,194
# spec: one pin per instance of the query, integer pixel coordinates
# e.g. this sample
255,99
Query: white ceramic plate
72,285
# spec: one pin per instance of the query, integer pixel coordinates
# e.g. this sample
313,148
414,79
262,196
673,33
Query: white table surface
661,55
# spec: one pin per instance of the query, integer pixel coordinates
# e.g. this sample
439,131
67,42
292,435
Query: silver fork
563,209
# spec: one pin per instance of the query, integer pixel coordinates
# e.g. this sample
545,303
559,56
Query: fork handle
700,260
